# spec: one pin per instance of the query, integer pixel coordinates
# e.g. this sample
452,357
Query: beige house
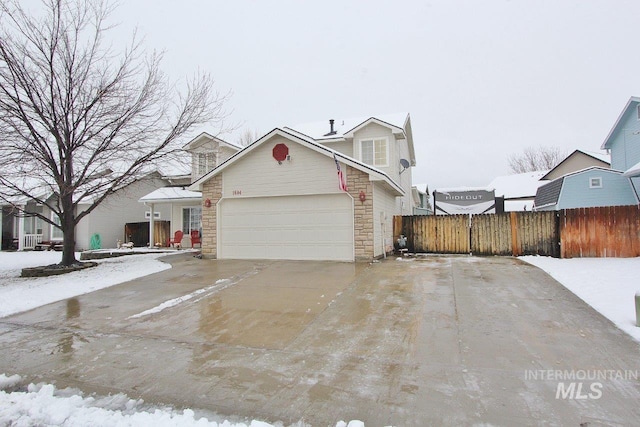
107,221
282,197
577,161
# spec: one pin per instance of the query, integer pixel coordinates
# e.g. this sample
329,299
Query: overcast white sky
481,79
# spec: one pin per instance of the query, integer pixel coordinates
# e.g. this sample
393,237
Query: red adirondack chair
177,239
195,238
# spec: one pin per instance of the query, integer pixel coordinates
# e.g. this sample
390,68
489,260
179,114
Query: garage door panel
317,227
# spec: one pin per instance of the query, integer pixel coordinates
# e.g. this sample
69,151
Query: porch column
152,240
21,229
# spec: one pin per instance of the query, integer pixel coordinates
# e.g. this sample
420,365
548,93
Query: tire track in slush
199,294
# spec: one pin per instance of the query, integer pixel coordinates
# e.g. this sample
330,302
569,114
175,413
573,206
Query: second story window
206,162
375,152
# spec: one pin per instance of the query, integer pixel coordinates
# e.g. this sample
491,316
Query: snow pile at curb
43,405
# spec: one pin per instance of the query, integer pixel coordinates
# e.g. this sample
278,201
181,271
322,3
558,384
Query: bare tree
78,121
535,159
248,137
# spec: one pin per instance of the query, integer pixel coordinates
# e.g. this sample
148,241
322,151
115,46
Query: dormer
207,152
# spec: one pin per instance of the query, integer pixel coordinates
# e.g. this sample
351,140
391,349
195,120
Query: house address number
237,192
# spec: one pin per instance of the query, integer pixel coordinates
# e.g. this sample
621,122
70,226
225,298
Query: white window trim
386,139
182,216
592,179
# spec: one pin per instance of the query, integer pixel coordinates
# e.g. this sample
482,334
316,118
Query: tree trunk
68,232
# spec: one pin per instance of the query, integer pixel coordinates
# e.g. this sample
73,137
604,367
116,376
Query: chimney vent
331,131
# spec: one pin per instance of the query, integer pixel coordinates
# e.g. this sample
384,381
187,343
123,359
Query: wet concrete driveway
439,341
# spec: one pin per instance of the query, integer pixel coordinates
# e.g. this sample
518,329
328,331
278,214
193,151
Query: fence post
515,248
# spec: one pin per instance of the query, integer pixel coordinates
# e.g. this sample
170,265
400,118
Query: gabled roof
203,137
375,173
398,123
602,157
632,103
518,185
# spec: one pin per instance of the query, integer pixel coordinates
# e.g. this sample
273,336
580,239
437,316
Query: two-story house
598,184
175,202
319,191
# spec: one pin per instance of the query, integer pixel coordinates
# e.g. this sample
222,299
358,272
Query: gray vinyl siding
109,219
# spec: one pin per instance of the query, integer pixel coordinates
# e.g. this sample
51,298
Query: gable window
374,152
191,219
595,182
206,162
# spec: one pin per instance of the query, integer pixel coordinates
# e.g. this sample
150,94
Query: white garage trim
300,227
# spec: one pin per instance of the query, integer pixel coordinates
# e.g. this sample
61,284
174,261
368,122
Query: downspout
384,236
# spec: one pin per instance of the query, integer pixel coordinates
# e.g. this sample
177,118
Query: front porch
186,213
22,231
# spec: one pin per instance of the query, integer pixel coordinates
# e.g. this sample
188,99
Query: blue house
599,186
594,186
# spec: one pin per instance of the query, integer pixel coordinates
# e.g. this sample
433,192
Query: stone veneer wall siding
212,190
363,213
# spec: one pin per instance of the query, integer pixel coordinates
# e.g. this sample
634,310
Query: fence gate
512,233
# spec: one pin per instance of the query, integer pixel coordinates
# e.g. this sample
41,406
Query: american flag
342,183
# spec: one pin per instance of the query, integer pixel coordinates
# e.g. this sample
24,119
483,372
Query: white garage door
316,227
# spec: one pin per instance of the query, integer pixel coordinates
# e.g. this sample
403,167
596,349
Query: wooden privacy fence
611,231
513,233
586,232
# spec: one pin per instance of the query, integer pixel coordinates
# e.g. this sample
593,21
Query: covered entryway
311,227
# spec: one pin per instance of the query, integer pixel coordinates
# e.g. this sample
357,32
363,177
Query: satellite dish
405,164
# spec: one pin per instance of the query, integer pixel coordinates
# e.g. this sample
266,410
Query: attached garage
304,227
282,198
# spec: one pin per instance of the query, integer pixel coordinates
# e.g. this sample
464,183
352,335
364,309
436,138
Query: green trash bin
96,242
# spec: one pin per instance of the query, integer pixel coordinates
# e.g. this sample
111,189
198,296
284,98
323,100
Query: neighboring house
184,207
599,185
107,220
577,161
623,142
518,190
421,200
281,197
591,187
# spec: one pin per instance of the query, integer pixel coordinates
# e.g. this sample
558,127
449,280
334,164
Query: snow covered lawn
608,285
20,294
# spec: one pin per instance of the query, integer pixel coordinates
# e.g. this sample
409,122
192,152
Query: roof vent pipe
331,131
